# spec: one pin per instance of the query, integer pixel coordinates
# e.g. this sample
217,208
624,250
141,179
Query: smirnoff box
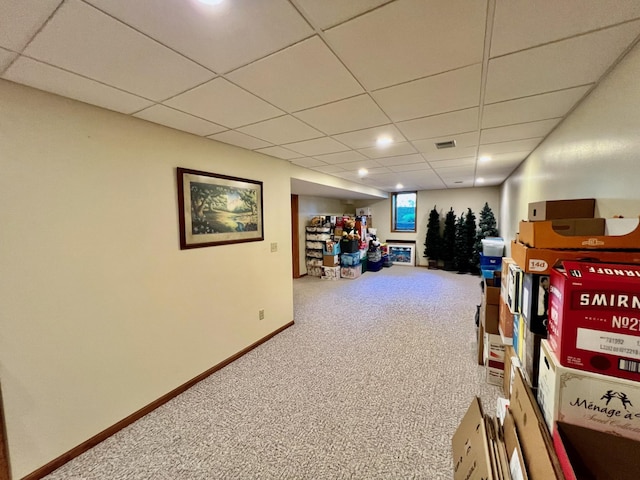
594,317
591,400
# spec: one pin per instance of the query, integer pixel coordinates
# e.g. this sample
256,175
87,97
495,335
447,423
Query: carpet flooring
370,383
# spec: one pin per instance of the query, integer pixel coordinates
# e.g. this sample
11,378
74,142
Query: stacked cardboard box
587,373
490,344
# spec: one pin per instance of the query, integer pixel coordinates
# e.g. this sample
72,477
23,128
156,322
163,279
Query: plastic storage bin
493,246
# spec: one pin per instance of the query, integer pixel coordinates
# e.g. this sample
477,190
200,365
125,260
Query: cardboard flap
470,446
517,466
539,455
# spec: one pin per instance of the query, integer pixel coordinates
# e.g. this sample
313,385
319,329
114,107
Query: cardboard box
480,344
594,317
589,234
542,260
539,455
591,400
330,260
493,358
491,294
586,453
535,302
554,209
517,466
518,339
470,446
620,226
505,323
511,363
504,284
532,357
330,273
514,287
490,317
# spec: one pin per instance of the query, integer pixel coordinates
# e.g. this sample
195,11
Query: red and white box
594,317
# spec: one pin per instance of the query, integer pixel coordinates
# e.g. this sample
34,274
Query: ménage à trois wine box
594,317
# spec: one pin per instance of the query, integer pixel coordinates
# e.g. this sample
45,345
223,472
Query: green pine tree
470,238
449,240
433,240
461,259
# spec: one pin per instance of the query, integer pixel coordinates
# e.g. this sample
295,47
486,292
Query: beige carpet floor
370,383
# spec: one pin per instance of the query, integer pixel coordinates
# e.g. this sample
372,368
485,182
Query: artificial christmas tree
449,240
433,240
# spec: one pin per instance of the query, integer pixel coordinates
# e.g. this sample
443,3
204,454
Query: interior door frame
295,236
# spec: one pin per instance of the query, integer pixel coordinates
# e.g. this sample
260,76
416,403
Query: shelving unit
315,238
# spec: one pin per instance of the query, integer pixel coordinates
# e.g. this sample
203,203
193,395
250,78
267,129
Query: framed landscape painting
218,209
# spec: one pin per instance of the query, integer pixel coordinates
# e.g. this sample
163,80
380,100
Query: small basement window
403,212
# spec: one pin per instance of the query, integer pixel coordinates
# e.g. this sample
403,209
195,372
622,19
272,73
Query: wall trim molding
96,439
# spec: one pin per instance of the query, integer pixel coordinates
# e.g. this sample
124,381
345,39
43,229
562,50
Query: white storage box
591,400
493,247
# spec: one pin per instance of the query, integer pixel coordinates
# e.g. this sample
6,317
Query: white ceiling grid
317,82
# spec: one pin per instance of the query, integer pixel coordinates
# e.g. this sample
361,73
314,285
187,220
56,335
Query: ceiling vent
449,144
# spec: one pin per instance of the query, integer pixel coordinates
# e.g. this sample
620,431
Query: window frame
394,212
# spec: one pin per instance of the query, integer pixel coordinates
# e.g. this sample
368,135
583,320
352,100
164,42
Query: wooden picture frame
218,209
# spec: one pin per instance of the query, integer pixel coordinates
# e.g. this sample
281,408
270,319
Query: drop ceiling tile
341,157
502,162
178,120
463,140
377,171
238,139
440,125
369,136
576,61
279,152
412,167
308,162
331,12
21,19
113,53
449,172
355,166
318,146
400,160
329,169
459,181
431,183
441,93
346,115
50,79
221,102
450,153
520,24
394,149
456,162
221,37
517,132
6,57
507,147
285,129
539,107
398,31
302,76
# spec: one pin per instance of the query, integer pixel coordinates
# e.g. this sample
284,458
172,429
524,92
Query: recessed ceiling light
362,172
211,2
398,186
480,180
485,158
384,141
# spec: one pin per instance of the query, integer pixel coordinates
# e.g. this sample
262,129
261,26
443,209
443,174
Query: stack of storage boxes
576,333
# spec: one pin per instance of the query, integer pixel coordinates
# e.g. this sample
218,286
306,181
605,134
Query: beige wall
594,153
101,312
443,200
